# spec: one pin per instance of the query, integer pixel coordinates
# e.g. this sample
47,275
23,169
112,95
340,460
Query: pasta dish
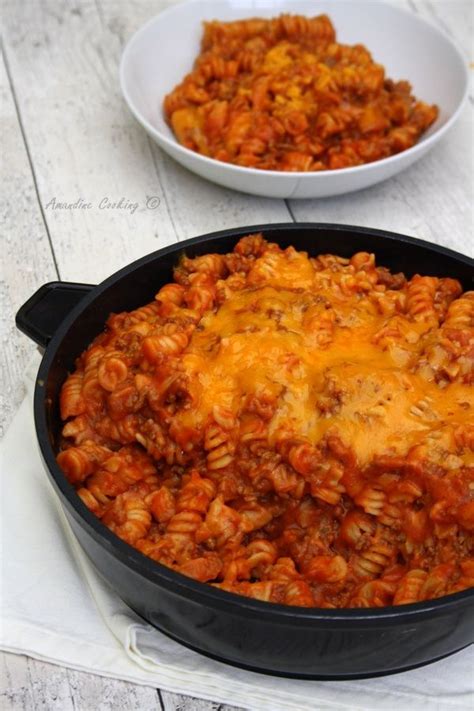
283,94
294,429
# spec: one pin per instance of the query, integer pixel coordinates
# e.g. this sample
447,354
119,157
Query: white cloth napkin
55,608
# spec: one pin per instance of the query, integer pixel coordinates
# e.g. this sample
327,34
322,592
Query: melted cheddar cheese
260,343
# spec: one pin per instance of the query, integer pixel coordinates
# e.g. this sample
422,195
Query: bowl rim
155,572
420,147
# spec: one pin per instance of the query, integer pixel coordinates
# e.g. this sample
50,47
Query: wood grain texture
87,146
26,256
67,134
65,70
179,702
27,683
16,690
31,684
44,687
95,692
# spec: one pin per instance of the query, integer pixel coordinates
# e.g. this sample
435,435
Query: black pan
290,641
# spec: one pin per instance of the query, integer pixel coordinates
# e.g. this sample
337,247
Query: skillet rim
160,575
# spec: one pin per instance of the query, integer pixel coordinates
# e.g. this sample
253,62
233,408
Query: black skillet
290,641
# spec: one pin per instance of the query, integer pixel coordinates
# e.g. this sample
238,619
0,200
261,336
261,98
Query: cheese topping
269,341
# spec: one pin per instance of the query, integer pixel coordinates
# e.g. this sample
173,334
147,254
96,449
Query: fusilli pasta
282,94
299,430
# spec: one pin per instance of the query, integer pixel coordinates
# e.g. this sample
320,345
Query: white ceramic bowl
160,54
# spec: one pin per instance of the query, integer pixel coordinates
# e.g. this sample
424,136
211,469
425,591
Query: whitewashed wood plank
91,692
49,686
86,144
31,684
179,702
65,72
26,256
15,690
221,212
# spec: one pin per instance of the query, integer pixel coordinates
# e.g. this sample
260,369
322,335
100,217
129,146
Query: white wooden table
66,136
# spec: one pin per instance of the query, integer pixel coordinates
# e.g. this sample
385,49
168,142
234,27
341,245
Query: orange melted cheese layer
271,342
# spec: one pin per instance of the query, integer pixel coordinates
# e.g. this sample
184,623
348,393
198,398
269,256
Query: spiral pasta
298,430
282,94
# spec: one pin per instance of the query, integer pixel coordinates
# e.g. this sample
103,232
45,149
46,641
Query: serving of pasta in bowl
301,99
263,440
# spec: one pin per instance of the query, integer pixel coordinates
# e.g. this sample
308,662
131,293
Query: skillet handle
40,316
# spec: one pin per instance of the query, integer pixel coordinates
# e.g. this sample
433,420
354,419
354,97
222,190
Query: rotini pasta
282,94
298,430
